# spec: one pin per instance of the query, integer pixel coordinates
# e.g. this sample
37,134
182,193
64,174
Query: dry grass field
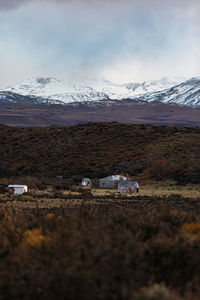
167,189
50,198
159,189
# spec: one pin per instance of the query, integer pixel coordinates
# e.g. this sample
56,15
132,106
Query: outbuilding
111,182
17,189
86,182
128,187
59,178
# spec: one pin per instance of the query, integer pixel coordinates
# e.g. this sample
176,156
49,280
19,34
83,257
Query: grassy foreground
104,247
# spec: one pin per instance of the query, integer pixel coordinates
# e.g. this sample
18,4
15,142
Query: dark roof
128,183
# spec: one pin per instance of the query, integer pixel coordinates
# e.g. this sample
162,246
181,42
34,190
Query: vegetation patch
103,248
96,150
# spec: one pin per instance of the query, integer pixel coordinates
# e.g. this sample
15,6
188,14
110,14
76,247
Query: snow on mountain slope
41,87
186,93
53,89
154,85
10,97
133,90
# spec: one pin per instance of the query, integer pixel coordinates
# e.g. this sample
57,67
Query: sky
118,40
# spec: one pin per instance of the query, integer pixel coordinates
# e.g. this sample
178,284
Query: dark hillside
100,149
126,111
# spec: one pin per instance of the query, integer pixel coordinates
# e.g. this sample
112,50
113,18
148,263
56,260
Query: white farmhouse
17,189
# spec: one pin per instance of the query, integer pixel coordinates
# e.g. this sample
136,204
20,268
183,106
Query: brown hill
126,111
100,149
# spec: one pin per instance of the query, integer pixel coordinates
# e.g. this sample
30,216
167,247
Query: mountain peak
167,89
195,80
44,81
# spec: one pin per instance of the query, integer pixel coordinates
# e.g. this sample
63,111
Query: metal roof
17,186
129,183
115,178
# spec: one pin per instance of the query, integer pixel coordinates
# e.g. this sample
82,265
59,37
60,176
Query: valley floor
49,198
23,115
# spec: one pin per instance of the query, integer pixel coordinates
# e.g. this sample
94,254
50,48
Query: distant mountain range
52,91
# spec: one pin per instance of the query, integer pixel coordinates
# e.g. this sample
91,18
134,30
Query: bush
160,169
156,292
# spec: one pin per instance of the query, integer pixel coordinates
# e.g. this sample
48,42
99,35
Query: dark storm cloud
13,4
121,40
10,4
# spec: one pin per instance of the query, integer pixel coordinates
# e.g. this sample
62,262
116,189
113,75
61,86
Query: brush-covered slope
100,149
123,111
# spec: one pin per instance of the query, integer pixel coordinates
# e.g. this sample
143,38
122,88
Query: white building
17,189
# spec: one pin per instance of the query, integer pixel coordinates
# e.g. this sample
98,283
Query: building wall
19,191
108,184
129,188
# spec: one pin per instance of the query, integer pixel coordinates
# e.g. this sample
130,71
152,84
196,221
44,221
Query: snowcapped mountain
52,91
95,90
154,85
185,93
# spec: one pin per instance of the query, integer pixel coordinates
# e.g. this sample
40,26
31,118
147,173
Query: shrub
156,292
35,238
160,169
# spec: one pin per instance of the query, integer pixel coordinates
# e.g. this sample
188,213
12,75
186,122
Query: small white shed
17,189
86,182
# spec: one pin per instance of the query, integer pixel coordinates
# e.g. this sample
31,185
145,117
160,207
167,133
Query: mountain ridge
186,93
94,90
49,90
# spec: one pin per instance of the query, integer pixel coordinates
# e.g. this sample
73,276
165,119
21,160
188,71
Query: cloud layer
10,4
120,40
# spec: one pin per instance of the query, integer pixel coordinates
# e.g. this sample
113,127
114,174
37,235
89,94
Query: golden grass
48,200
162,189
158,189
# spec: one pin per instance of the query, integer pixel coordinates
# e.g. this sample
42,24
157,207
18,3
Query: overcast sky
119,40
